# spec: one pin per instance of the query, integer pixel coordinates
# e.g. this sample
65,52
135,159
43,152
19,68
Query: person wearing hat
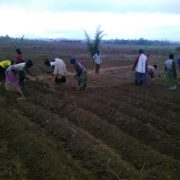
3,66
81,73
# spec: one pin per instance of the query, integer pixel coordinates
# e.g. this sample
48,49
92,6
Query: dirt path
115,68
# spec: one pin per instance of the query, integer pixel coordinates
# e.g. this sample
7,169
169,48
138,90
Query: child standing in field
97,61
170,70
140,67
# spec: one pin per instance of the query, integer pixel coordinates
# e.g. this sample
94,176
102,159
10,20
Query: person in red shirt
19,56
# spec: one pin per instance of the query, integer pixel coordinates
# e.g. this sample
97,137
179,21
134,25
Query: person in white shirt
140,67
21,70
170,70
59,69
97,61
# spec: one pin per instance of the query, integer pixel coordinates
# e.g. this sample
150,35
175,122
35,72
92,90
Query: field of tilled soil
112,130
117,131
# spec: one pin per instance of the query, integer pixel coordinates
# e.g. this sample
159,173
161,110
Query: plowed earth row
112,130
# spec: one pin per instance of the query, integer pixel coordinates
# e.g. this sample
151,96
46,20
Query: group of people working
13,73
60,71
144,72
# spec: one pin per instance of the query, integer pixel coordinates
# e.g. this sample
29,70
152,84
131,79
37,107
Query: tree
93,45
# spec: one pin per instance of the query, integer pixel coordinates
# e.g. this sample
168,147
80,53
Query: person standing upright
140,67
97,61
170,70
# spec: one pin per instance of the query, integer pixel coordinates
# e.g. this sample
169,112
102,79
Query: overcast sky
122,19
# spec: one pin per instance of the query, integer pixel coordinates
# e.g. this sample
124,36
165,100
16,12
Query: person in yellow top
3,66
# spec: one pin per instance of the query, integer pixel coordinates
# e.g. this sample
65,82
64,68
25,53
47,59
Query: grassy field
113,130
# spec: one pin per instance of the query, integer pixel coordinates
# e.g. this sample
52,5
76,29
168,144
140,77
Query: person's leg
143,77
139,78
12,83
19,90
136,82
141,82
169,81
136,78
97,68
2,74
21,78
83,81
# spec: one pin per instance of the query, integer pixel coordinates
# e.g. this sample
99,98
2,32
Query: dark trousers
21,78
139,78
2,74
97,67
61,79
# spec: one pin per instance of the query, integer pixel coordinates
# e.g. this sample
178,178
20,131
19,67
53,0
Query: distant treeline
140,41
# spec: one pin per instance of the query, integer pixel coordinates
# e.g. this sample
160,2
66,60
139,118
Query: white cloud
15,22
